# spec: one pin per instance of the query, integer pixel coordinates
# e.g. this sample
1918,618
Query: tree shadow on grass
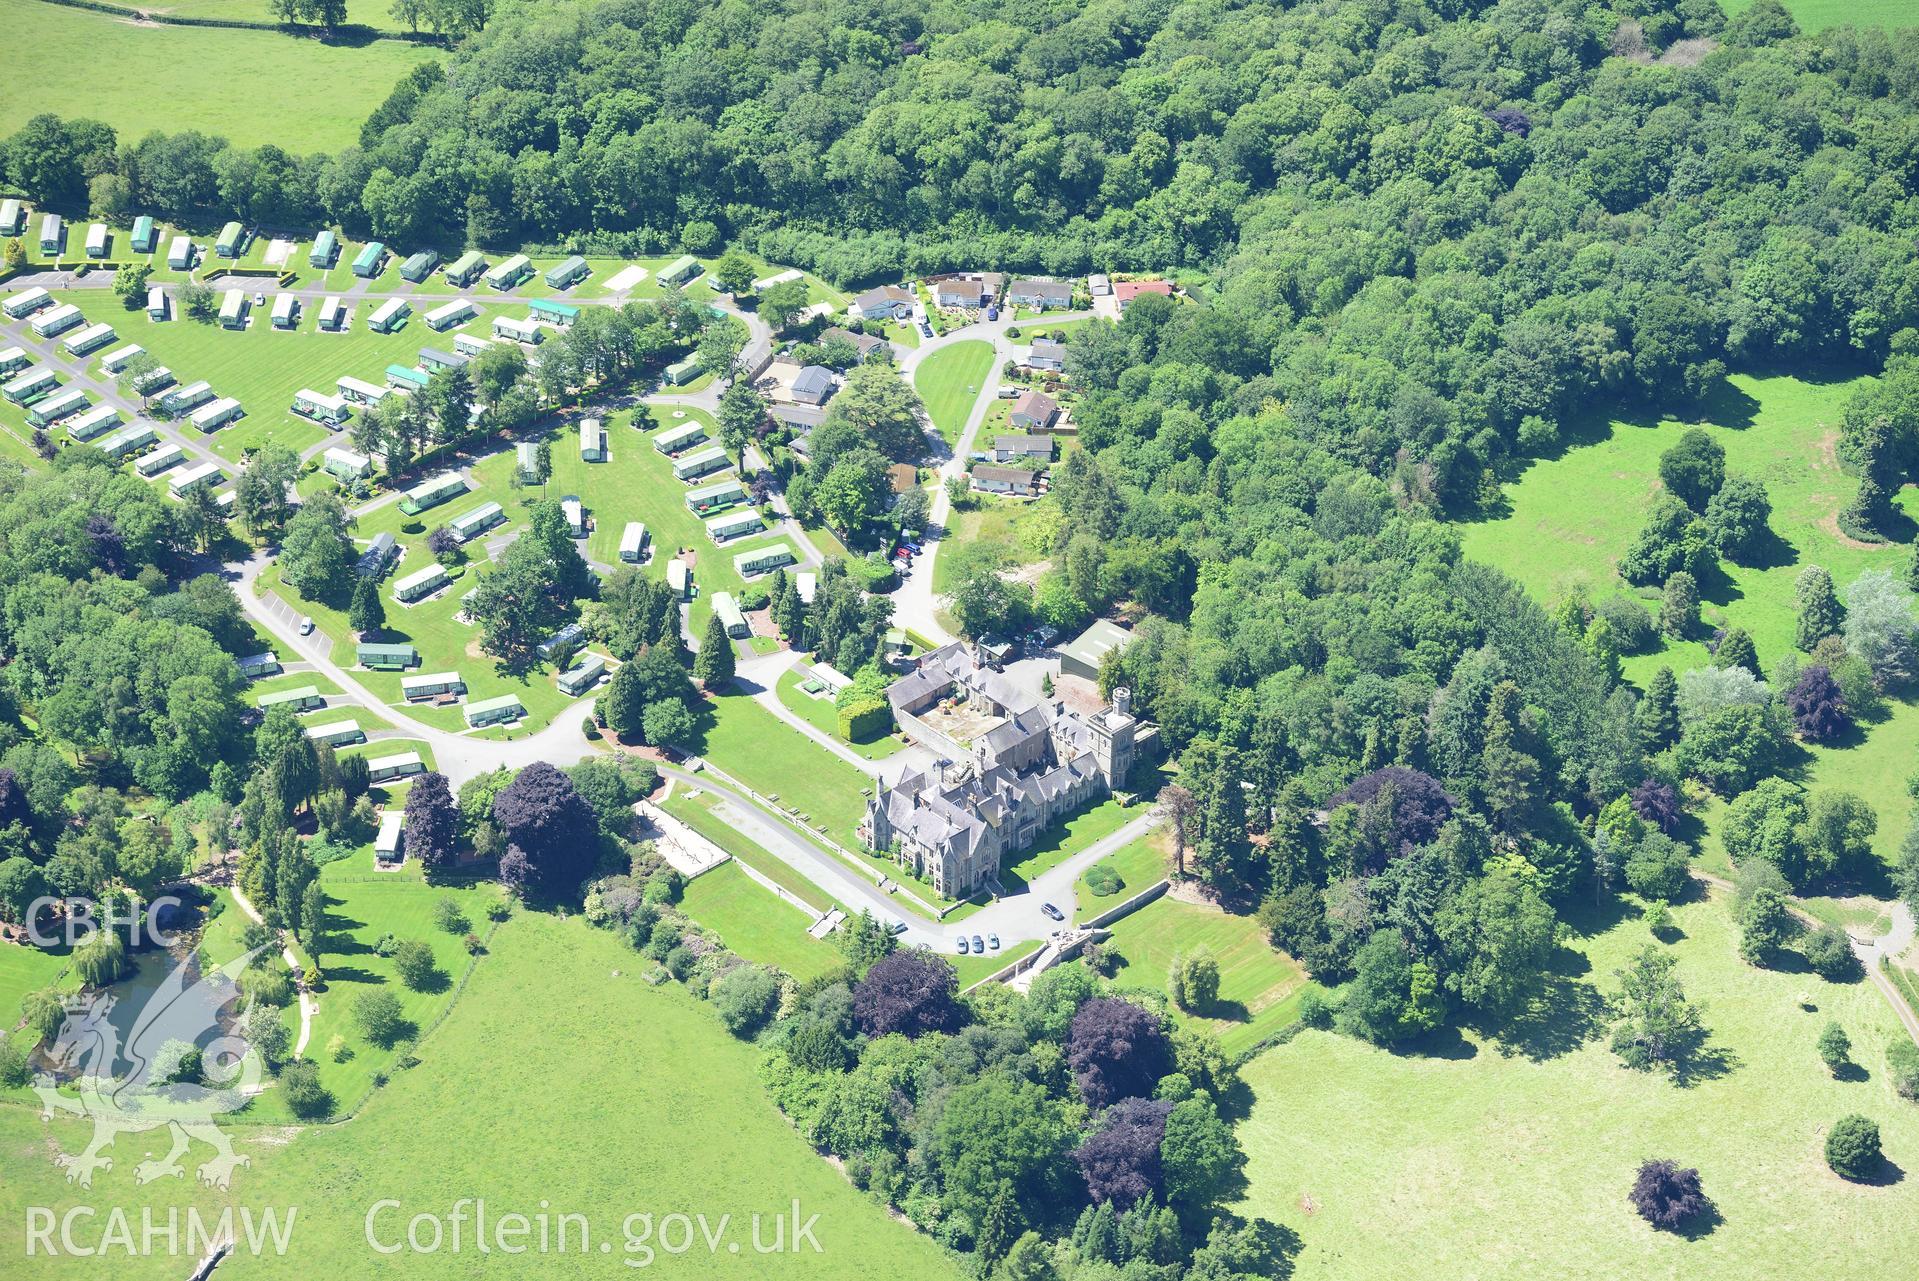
1441,1043
1888,1173
1851,1074
1565,1015
1701,1225
1705,1062
1726,405
338,974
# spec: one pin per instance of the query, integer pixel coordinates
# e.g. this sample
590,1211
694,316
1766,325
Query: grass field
949,380
1259,987
1817,15
757,925
593,1094
248,86
778,761
696,811
23,970
1512,1160
1137,864
1571,518
1063,840
1016,527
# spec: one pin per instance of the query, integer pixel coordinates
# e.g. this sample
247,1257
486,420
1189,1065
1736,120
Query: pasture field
1259,986
1817,15
1449,1163
250,87
757,925
949,380
558,1111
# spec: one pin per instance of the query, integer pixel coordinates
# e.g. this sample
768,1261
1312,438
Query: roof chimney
1123,700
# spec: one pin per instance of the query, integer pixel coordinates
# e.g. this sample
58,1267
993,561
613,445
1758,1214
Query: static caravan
470,525
431,685
510,273
389,315
370,261
421,583
333,315
419,266
520,331
729,615
388,846
373,561
713,497
431,492
325,251
216,414
337,734
681,270
35,382
153,380
53,235
113,362
233,309
384,769
433,360
128,439
97,421
575,516
562,641
145,234
447,315
14,358
674,439
569,273
232,242
678,578
180,253
526,457
806,583
198,476
253,666
739,524
62,404
26,302
763,560
558,314
98,240
472,346
156,303
345,463
328,411
582,678
407,378
633,542
494,711
159,460
703,462
592,441
92,338
466,269
681,372
387,657
359,392
303,699
181,399
286,311
13,217
57,320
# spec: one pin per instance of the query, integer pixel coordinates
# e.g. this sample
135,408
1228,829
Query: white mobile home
303,699
431,685
729,615
97,421
217,414
128,439
57,321
389,315
360,392
384,769
233,309
431,492
763,560
447,315
60,405
582,678
520,331
674,439
26,302
98,238
510,273
13,217
92,338
471,345
256,665
337,734
114,361
180,254
345,463
156,303
35,382
181,399
159,460
53,235
332,315
286,311
678,578
592,441
465,269
388,846
713,497
633,542
198,476
526,456
494,711
470,525
329,411
419,584
700,463
575,516
13,358
733,525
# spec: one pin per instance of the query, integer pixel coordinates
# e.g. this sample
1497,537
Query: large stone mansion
1011,766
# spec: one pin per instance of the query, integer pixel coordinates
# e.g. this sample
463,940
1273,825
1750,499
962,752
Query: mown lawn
25,969
949,380
1063,840
1571,518
696,811
567,1080
1259,986
820,713
758,925
1138,864
249,86
1512,1159
776,760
